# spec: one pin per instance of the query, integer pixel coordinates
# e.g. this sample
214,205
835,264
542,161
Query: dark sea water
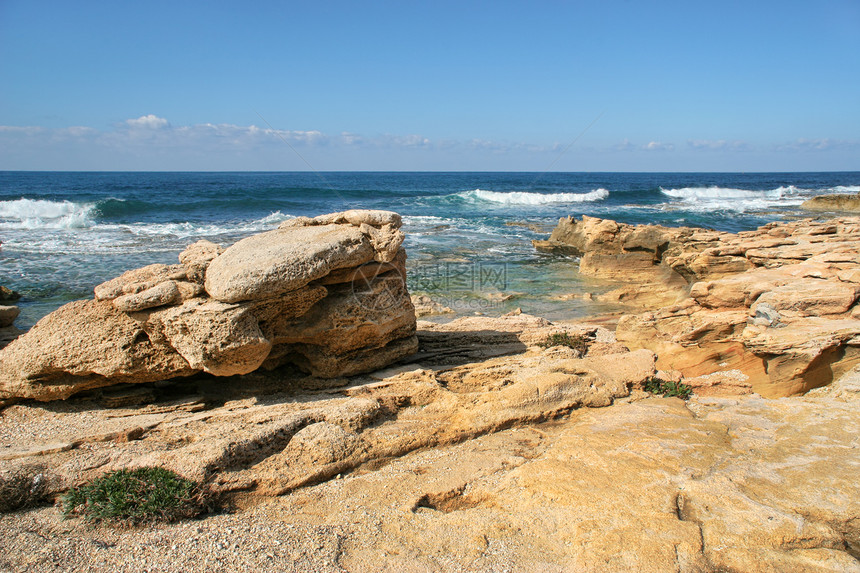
64,233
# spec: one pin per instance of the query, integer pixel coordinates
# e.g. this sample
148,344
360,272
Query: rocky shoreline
477,446
777,305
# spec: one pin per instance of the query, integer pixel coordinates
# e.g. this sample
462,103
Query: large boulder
327,295
607,248
84,344
273,263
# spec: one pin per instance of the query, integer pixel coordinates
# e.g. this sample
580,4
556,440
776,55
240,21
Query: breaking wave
529,198
41,214
710,193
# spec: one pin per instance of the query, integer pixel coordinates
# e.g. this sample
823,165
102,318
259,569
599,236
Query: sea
468,235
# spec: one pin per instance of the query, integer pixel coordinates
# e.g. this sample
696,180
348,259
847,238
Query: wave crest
43,214
529,198
847,189
698,193
703,199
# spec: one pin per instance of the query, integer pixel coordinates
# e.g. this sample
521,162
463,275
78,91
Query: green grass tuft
130,497
576,341
668,389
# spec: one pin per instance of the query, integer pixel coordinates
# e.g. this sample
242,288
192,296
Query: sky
430,86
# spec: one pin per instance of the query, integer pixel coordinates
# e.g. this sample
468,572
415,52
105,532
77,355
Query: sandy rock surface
646,484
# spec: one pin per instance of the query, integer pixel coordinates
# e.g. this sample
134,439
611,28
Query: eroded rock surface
460,388
326,294
777,304
503,463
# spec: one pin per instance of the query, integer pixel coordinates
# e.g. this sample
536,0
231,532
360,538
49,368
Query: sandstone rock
218,338
800,302
8,295
426,306
287,442
355,217
272,263
810,297
385,241
608,249
265,305
139,280
8,314
163,293
727,383
836,202
349,331
501,464
84,345
196,258
367,272
380,227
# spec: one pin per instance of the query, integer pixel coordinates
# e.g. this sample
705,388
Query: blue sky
565,86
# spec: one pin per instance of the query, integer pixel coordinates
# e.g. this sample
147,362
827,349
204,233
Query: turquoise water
63,233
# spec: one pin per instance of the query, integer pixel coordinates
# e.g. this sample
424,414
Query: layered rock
459,388
625,253
326,294
777,304
838,202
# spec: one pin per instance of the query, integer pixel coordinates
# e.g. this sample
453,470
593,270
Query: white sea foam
847,189
42,214
423,220
529,198
710,193
702,199
60,235
195,229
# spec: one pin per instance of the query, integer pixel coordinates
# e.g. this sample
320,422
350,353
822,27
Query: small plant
576,341
136,496
668,389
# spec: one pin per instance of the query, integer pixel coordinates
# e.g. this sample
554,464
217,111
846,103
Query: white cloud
625,145
21,130
150,121
718,145
657,146
818,144
351,138
412,140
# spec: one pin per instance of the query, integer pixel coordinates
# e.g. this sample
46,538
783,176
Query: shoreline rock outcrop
327,295
8,313
778,304
841,202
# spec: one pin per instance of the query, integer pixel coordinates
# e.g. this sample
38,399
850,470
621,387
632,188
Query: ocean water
468,234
